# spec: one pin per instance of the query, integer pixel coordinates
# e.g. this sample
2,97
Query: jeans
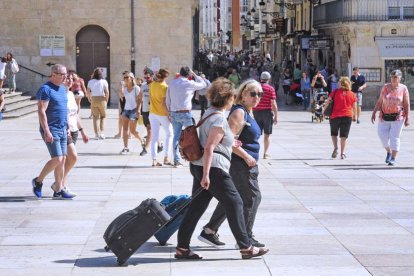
179,120
59,145
306,96
223,189
245,180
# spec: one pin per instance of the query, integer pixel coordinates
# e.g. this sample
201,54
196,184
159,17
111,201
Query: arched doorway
92,51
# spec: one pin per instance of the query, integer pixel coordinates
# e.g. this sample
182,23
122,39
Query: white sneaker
102,136
125,151
267,156
69,192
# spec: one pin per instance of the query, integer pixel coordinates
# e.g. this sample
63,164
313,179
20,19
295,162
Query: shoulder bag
328,110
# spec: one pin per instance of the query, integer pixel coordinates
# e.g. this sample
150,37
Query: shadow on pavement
98,154
120,167
377,169
17,198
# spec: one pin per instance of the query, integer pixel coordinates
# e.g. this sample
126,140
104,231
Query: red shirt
343,104
268,95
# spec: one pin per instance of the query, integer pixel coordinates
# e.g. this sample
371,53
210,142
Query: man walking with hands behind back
53,116
358,84
265,113
179,94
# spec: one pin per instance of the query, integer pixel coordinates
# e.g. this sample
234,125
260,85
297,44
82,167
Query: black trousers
223,189
203,103
246,182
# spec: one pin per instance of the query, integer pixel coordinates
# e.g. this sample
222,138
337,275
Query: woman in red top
343,113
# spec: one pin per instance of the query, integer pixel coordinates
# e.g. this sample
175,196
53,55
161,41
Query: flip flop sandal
186,255
158,164
168,163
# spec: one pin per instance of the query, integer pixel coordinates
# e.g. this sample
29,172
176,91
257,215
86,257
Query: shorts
73,137
341,125
264,119
145,117
59,145
359,97
79,94
130,114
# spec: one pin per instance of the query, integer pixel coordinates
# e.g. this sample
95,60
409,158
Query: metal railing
362,10
34,71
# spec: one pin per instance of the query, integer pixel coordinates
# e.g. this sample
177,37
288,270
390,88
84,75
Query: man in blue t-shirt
358,84
52,110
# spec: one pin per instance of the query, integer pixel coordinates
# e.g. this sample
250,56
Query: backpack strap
205,118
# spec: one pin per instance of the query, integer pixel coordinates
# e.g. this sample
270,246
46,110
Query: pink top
393,100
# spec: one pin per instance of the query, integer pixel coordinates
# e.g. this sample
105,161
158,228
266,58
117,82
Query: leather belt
182,111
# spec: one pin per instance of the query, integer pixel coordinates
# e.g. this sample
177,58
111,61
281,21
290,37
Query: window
394,13
408,13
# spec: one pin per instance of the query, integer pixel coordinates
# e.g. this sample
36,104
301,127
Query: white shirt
180,92
130,97
97,87
72,112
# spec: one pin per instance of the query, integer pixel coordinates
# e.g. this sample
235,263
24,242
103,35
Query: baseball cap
397,73
265,75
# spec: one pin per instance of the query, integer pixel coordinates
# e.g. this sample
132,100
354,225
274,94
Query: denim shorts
59,145
130,114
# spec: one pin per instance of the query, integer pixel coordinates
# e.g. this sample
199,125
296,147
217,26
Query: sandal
186,254
168,163
335,153
253,251
156,164
343,156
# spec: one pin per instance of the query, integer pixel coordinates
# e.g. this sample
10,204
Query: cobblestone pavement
318,216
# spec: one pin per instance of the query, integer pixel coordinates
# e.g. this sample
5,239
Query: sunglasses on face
254,94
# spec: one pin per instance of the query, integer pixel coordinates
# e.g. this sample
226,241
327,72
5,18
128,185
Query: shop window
408,12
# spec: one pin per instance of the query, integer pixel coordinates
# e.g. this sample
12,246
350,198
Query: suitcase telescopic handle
194,196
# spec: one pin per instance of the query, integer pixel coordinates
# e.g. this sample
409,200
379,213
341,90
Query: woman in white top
98,96
130,92
2,71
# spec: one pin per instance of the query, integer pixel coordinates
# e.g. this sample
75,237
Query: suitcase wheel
120,262
107,248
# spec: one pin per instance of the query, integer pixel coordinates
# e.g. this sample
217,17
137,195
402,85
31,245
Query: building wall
163,29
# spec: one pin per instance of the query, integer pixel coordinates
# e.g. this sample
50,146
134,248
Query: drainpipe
133,36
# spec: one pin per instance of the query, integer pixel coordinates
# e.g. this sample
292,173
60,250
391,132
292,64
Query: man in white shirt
179,95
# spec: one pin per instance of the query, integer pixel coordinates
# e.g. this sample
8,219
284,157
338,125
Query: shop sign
396,47
312,42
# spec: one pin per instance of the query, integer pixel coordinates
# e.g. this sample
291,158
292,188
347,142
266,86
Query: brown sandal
186,254
157,164
252,252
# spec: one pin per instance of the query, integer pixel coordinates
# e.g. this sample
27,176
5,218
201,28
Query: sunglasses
254,94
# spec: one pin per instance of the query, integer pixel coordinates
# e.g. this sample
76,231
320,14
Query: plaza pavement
318,216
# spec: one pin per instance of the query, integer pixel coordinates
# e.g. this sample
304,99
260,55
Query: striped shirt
269,94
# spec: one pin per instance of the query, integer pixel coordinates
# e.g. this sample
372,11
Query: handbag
140,120
14,67
328,110
189,143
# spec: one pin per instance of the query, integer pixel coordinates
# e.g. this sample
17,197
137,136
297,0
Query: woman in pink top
394,104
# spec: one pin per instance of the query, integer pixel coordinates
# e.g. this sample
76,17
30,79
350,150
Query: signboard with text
52,45
396,47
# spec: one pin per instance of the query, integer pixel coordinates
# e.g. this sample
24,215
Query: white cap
265,75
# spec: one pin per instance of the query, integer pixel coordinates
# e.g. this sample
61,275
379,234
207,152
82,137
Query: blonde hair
244,88
345,83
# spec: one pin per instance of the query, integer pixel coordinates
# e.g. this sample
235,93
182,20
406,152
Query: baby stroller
295,94
319,98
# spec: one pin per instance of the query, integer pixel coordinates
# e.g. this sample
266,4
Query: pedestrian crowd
238,108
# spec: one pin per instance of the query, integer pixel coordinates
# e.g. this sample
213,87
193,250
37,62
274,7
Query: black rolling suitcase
133,228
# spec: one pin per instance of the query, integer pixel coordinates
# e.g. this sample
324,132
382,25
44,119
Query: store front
398,53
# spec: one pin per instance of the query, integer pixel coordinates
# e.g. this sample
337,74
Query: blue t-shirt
250,134
57,110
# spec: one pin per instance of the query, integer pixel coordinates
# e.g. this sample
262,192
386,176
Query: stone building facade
85,34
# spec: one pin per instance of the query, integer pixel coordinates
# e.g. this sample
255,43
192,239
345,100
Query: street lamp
289,6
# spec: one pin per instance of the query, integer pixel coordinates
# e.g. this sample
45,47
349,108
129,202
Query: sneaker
177,164
102,136
388,158
62,195
210,239
160,148
143,152
37,188
256,243
69,192
391,162
125,151
266,156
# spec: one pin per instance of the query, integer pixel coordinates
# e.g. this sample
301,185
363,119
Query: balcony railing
363,10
